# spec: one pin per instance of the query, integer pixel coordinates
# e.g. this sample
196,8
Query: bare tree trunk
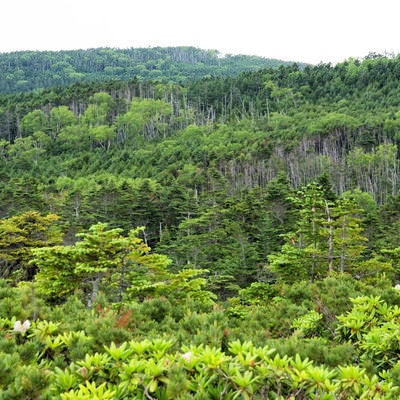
121,280
342,255
95,290
314,256
330,238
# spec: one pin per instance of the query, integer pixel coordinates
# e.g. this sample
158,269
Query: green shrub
373,327
150,369
319,350
29,382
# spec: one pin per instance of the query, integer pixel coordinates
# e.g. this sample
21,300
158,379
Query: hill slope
275,190
208,167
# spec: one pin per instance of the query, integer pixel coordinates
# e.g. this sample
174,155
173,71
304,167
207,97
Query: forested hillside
227,237
29,70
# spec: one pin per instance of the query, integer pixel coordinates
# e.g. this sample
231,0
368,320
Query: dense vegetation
230,237
28,70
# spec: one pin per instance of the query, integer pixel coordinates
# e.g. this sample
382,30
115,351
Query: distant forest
29,70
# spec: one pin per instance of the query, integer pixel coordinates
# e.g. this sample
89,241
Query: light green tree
102,135
121,266
34,121
99,110
18,236
60,117
148,118
99,255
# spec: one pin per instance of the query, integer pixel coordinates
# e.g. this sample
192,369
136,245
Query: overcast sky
294,30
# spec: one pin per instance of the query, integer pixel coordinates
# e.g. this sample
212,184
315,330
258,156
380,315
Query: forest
232,234
24,71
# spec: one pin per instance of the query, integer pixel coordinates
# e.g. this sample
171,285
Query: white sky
294,30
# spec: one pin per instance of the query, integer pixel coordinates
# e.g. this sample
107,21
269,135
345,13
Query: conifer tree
328,237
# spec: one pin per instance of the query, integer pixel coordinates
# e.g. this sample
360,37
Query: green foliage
18,236
259,292
333,122
55,278
373,325
308,325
